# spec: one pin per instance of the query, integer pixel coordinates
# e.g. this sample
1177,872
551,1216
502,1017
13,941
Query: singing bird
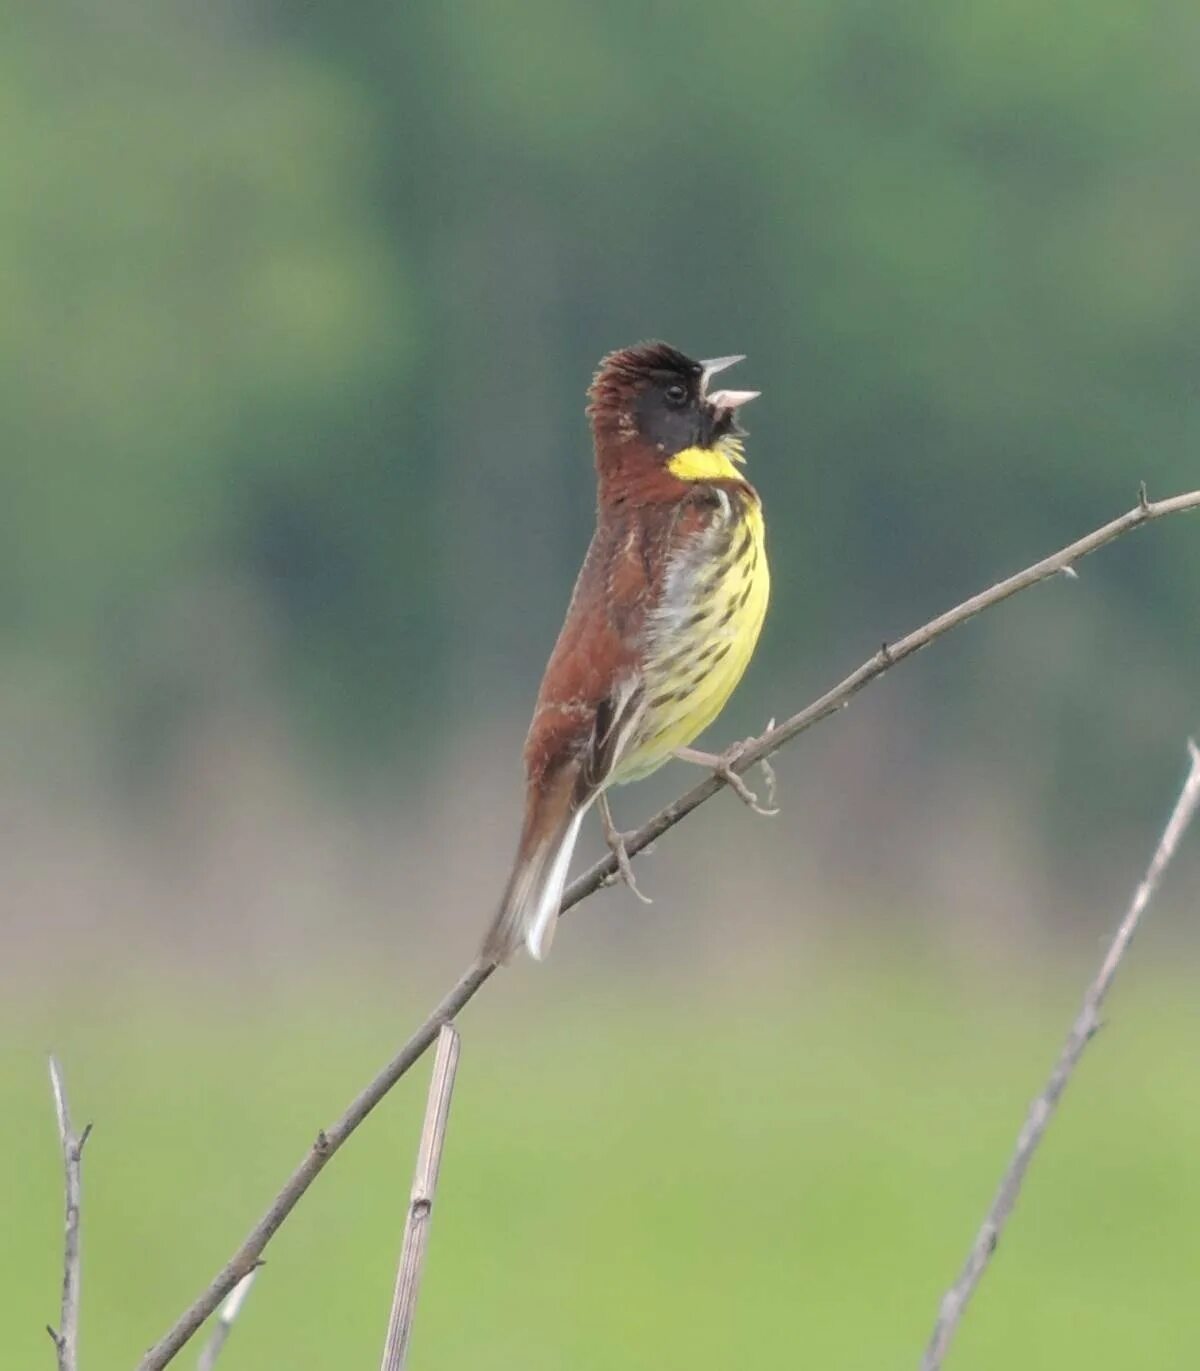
663,621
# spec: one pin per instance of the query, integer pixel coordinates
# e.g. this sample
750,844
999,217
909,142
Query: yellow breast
704,632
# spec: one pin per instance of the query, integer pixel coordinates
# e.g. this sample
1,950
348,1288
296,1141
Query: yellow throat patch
708,463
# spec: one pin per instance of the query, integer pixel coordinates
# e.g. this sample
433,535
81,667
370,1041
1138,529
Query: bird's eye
676,394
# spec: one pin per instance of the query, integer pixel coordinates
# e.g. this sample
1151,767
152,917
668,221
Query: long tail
530,907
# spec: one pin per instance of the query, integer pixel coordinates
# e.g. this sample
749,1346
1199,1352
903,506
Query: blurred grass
635,1176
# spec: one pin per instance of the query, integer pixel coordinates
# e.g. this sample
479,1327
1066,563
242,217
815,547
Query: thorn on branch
886,657
1143,498
1070,573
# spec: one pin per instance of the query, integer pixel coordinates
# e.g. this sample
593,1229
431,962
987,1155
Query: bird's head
656,398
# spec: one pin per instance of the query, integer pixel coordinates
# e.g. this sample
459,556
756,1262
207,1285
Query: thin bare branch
420,1202
328,1141
66,1336
954,1302
224,1325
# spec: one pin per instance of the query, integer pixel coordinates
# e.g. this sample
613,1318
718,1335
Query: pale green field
778,1173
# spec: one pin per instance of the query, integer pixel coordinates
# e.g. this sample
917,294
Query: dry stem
420,1202
66,1337
954,1302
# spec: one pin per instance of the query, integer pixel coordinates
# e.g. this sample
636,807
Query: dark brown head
654,396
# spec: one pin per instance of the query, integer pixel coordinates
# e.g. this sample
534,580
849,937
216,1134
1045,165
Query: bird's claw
616,845
624,871
724,768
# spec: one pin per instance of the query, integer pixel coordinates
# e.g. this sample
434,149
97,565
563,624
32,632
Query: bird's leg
616,845
722,764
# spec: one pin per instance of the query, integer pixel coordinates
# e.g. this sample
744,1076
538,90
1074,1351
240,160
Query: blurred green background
298,305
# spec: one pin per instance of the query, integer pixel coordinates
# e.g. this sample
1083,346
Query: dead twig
954,1302
224,1325
420,1202
66,1336
329,1140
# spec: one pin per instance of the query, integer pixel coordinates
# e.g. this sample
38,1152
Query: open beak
725,399
731,399
715,364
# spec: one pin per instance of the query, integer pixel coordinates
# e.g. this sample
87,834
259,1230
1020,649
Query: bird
663,621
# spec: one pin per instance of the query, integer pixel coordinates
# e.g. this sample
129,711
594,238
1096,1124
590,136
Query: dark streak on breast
745,545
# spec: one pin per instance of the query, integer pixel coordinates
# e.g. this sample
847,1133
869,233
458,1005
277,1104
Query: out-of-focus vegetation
629,1183
303,301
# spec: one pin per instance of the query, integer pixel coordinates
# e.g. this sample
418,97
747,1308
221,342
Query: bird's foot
723,763
616,845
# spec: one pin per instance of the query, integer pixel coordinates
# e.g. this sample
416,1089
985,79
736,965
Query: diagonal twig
66,1336
329,1140
224,1325
954,1302
420,1202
